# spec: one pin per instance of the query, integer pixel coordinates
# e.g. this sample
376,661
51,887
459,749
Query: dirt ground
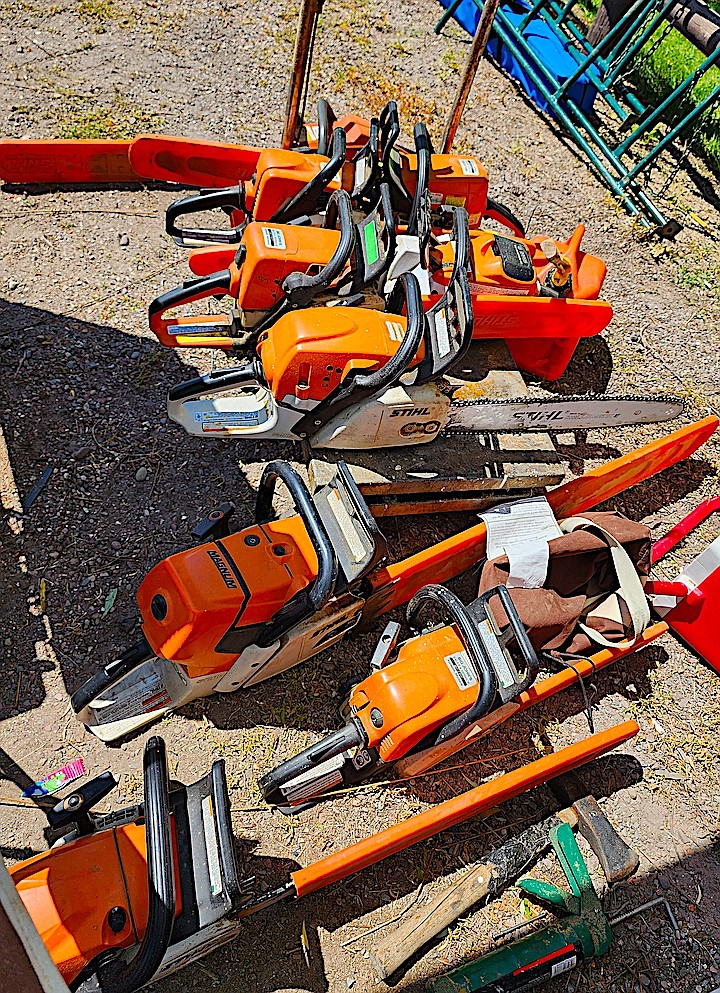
83,392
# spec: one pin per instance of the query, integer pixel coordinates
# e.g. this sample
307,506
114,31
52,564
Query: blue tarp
553,56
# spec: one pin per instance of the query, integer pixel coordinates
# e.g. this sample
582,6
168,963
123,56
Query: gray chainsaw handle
501,868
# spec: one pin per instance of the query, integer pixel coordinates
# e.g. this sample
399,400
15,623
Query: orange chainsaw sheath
61,160
399,582
397,838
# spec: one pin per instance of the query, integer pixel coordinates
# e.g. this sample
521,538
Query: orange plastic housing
72,917
279,175
308,353
509,309
419,683
257,283
219,593
454,180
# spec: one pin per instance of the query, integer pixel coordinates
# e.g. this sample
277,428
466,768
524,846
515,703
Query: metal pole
476,52
309,13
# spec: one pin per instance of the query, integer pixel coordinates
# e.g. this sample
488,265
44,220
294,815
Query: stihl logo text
219,562
414,412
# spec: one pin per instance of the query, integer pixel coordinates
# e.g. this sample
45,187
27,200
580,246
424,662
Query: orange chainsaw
127,898
433,696
248,604
278,269
516,284
352,378
452,181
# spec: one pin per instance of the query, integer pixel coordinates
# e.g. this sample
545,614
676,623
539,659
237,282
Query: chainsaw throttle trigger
456,611
216,524
228,200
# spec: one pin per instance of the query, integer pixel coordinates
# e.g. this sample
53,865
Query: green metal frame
605,64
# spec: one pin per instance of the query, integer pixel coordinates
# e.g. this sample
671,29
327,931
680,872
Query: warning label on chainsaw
469,167
274,238
461,668
565,966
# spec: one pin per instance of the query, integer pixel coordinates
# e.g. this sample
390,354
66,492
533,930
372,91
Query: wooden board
462,472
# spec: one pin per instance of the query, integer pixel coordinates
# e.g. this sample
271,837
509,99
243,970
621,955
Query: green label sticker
372,252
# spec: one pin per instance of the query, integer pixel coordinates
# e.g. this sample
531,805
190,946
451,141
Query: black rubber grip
120,975
308,759
109,674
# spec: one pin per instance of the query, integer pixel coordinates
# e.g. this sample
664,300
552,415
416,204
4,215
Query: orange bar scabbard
400,581
545,688
63,160
193,162
445,815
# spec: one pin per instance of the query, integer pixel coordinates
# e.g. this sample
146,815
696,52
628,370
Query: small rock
12,284
116,545
54,555
141,474
350,982
8,642
123,240
135,355
645,979
81,453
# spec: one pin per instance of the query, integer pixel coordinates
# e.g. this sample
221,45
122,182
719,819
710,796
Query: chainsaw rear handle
349,736
206,334
457,613
423,151
307,200
299,288
312,598
516,630
120,975
681,530
229,199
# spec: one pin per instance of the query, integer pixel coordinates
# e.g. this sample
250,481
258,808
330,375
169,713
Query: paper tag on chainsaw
274,238
469,167
462,671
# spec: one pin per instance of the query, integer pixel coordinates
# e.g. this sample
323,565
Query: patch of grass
123,119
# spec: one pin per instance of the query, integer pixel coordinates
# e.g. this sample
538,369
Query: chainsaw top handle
325,123
200,332
230,199
423,151
449,322
457,613
389,134
298,287
313,597
123,975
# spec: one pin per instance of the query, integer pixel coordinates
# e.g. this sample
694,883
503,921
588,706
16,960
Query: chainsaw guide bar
559,413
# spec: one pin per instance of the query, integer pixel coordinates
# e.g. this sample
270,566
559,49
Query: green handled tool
561,946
